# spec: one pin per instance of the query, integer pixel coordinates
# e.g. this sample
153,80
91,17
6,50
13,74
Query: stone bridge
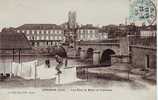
102,52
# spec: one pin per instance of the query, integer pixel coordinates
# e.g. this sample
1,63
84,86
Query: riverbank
122,72
93,77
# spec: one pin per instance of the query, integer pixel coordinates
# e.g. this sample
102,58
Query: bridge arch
106,56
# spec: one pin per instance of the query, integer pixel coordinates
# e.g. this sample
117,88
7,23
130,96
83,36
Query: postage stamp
143,10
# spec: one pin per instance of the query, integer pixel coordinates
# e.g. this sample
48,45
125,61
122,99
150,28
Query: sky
14,13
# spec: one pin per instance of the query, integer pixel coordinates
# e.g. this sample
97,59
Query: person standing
59,60
66,62
47,62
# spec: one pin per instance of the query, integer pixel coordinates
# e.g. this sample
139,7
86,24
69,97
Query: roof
148,28
39,26
10,39
88,26
109,26
101,30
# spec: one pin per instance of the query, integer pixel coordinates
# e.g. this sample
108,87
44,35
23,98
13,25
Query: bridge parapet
100,46
105,44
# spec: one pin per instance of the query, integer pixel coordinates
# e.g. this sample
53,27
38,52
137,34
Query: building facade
89,32
143,48
42,35
149,31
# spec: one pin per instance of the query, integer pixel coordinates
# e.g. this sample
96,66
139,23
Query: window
60,31
88,36
51,31
51,37
55,31
47,31
42,37
91,31
27,31
23,31
47,38
37,37
93,35
55,37
105,36
81,31
81,36
42,31
33,31
88,31
154,33
28,37
33,38
37,31
62,37
59,38
18,31
95,31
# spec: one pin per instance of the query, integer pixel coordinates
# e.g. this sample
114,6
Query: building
90,32
11,41
111,30
143,48
12,45
149,31
42,35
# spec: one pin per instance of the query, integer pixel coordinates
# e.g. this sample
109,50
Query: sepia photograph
78,49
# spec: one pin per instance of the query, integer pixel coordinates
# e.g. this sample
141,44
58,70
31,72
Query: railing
110,42
100,41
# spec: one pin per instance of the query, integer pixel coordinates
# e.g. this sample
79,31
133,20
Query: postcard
78,49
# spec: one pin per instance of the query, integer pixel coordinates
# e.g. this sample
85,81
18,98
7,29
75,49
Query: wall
139,55
100,47
148,33
124,46
98,50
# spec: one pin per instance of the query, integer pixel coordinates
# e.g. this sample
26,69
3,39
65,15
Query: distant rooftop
148,28
39,26
88,26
